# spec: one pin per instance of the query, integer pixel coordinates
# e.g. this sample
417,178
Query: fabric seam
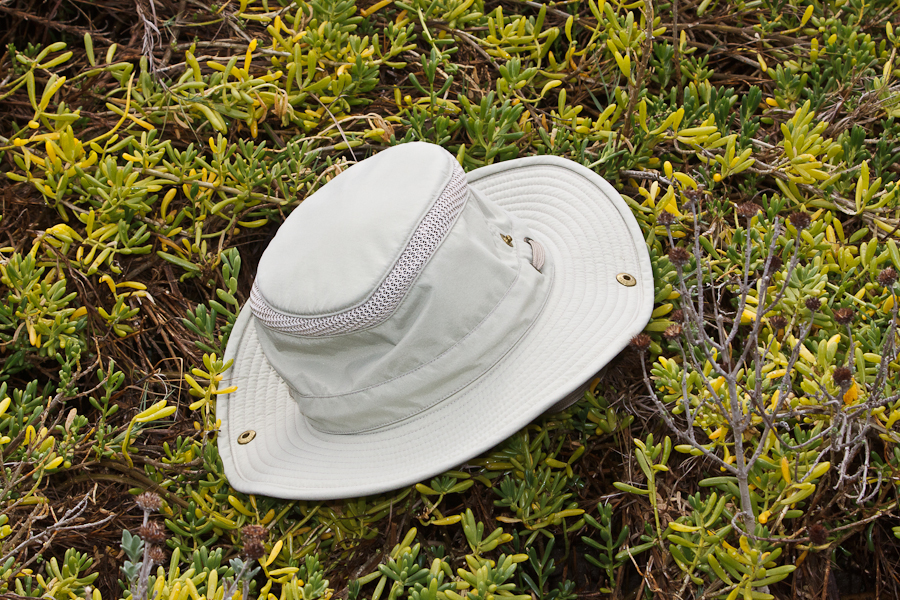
413,417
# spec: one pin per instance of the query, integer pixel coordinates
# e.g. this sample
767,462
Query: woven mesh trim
384,301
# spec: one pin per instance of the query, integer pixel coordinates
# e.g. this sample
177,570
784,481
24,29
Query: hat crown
455,285
355,245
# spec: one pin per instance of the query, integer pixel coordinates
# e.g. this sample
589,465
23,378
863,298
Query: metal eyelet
507,239
246,437
626,279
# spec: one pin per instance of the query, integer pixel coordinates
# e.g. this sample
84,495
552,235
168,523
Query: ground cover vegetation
745,446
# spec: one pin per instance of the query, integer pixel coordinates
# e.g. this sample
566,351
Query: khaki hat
409,316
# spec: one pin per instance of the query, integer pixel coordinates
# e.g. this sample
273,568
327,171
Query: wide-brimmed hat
409,316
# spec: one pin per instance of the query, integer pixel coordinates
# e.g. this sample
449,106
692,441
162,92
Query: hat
408,316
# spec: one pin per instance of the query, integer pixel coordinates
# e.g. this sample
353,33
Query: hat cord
537,254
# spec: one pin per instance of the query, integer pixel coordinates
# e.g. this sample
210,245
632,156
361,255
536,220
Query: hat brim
591,236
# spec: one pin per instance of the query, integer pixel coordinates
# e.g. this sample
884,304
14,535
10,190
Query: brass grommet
246,437
626,279
507,239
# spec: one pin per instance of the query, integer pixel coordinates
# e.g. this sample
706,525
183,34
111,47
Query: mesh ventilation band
387,297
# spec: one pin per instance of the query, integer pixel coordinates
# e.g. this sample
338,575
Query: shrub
142,182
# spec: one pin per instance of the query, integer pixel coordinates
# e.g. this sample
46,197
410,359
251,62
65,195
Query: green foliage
407,572
543,568
133,546
608,559
35,317
150,178
652,459
63,580
202,321
536,490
